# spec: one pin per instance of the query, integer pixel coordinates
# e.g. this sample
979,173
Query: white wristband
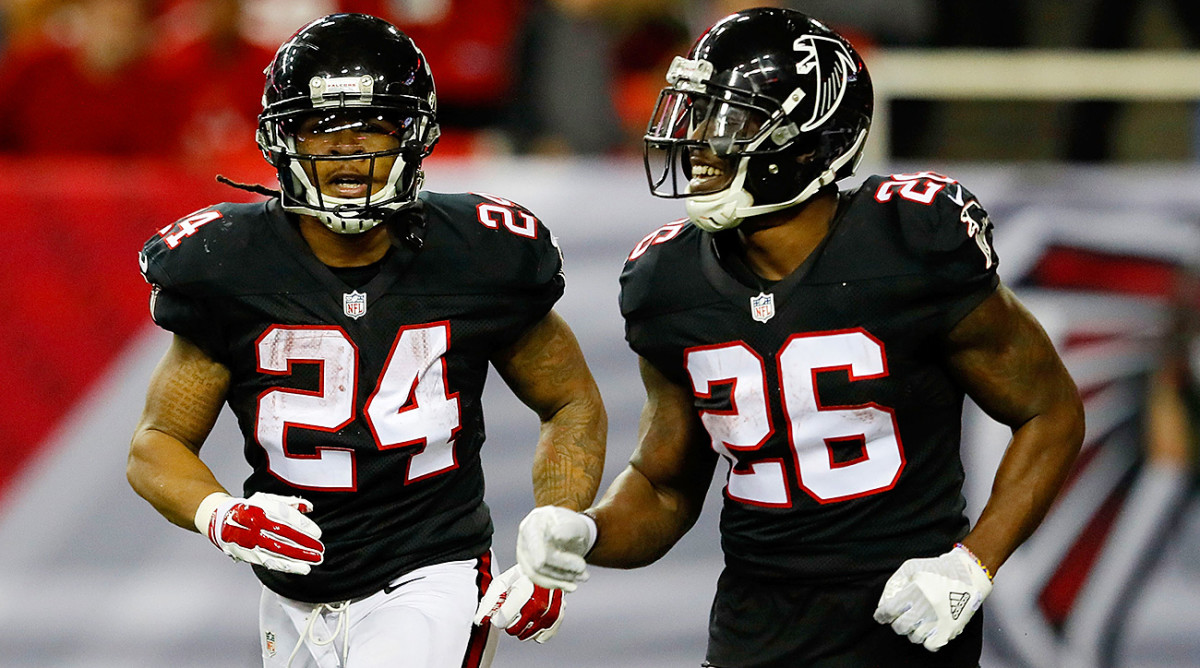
593,532
205,510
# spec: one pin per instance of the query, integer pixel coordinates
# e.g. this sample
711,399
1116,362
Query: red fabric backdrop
69,283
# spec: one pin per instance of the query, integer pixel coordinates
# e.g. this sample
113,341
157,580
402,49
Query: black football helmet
771,95
349,71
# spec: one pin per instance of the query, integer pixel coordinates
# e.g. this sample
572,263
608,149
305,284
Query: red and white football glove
513,603
931,600
551,545
266,529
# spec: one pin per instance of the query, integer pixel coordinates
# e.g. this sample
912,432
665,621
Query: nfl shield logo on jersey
762,307
354,304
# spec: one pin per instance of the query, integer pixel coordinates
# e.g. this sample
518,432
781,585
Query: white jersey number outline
410,405
812,428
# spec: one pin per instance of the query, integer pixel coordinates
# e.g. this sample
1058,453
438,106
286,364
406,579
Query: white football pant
424,622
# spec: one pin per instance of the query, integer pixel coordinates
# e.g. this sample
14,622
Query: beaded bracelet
971,554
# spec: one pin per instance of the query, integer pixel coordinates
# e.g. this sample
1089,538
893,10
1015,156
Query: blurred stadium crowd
116,114
96,95
183,78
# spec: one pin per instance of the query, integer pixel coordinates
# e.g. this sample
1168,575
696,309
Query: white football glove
513,603
266,529
551,544
931,600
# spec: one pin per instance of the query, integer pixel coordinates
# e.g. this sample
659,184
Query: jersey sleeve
176,303
537,274
491,245
545,282
951,234
655,286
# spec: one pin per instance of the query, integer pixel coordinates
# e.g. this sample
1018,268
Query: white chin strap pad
334,222
726,209
720,210
716,212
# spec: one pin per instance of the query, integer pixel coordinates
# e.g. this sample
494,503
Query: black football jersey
826,391
365,401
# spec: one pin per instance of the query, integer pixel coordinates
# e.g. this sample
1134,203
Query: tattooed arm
185,397
546,370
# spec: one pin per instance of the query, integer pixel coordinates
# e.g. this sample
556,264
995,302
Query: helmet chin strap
719,211
334,222
726,209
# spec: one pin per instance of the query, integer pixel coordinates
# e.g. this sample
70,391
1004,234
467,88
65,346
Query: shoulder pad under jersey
487,241
200,251
662,270
940,222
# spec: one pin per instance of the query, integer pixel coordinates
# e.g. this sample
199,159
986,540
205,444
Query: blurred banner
91,576
71,289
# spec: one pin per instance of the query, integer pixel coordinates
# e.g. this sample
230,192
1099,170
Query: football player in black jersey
349,321
821,342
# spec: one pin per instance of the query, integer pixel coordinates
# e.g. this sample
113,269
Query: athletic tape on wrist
206,512
593,530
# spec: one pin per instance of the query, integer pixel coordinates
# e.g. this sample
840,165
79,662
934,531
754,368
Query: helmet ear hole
777,177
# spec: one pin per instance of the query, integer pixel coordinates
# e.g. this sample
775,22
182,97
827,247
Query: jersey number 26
812,428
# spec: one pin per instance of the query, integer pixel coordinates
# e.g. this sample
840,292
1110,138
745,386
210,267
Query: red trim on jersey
318,451
659,236
749,469
479,634
174,234
731,383
854,442
508,212
411,403
738,467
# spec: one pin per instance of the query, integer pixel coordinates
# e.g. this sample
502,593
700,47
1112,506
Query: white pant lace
343,627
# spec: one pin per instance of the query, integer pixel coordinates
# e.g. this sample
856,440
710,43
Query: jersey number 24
411,404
